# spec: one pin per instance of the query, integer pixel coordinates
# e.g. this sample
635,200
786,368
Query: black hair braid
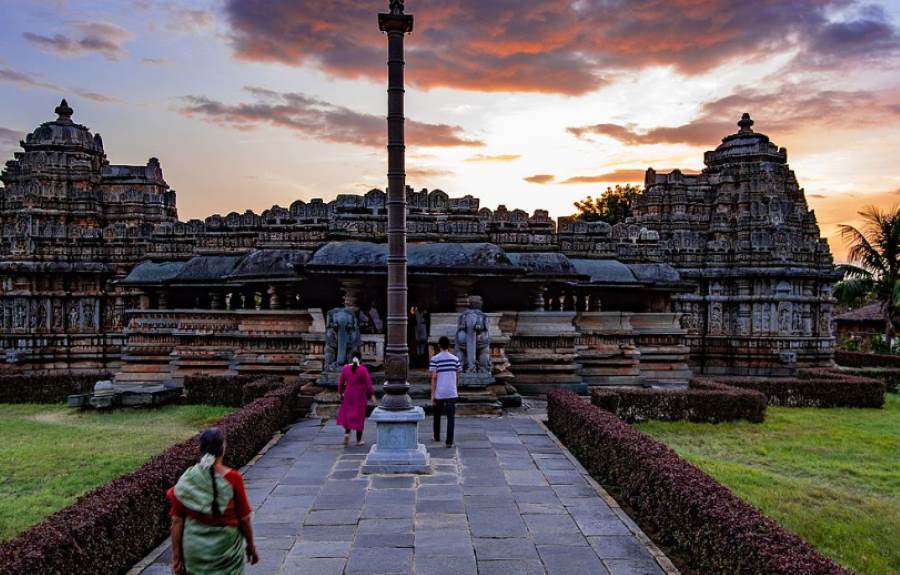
215,502
212,441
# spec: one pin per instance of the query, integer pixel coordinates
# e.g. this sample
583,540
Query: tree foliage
612,207
874,262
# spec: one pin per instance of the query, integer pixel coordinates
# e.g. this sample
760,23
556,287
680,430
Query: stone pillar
396,25
568,300
556,302
398,449
215,300
274,294
163,299
593,302
537,302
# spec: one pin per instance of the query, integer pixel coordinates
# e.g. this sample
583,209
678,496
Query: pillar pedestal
398,449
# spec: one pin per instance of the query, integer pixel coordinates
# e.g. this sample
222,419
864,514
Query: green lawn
50,454
830,475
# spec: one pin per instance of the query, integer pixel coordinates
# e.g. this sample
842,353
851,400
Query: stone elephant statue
473,339
342,337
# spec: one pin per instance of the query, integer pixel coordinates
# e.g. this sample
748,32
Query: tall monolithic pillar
396,25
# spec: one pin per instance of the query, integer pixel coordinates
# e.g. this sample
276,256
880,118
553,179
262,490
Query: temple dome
63,133
745,146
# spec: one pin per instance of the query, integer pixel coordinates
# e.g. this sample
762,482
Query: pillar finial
746,124
64,111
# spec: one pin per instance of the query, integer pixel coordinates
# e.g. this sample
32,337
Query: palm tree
875,262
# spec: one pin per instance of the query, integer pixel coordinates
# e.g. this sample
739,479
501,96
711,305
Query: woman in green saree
211,529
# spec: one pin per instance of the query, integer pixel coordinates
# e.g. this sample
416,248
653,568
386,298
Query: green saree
208,549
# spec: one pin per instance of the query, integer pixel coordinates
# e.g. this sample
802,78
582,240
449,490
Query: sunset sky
532,104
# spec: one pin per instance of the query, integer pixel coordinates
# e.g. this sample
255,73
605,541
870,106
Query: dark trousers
446,407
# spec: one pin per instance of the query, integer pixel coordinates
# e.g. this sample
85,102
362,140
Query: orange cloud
617,176
556,47
428,172
540,179
496,158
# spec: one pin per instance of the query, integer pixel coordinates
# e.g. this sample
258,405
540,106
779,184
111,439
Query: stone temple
720,272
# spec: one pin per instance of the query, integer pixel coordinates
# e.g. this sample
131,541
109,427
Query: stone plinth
397,449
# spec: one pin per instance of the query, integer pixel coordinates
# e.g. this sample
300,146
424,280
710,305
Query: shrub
704,401
815,388
856,359
889,375
712,528
225,390
47,388
116,524
253,391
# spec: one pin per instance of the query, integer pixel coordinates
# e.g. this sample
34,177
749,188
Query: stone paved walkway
507,500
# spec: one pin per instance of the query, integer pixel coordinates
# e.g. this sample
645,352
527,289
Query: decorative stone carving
342,338
473,339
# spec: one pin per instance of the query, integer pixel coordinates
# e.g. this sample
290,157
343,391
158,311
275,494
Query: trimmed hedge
227,390
711,527
815,388
859,359
703,401
47,388
253,391
117,524
889,375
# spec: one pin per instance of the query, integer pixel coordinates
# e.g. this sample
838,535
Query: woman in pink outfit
355,387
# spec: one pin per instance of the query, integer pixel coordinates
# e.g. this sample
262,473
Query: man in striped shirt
444,368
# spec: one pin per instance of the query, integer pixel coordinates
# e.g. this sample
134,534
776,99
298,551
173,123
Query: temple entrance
418,328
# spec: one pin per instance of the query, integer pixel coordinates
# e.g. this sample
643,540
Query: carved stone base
475,380
398,449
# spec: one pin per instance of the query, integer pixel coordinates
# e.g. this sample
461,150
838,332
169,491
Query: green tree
612,207
874,266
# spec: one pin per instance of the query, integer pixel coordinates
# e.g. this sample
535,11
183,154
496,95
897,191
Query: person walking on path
211,529
355,388
444,368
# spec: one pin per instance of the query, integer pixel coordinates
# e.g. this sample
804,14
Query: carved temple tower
71,224
742,232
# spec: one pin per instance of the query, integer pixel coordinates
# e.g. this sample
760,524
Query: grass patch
830,475
51,454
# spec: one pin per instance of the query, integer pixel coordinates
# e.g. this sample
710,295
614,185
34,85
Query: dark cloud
696,133
816,196
320,119
24,80
869,34
787,109
553,47
540,179
493,158
101,38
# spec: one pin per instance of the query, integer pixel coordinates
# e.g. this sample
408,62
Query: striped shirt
446,366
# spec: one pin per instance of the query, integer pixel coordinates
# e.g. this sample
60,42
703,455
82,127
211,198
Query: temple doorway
418,328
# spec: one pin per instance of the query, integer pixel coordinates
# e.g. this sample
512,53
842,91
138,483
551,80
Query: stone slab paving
507,500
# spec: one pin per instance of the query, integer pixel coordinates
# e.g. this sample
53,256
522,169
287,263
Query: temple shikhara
720,272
